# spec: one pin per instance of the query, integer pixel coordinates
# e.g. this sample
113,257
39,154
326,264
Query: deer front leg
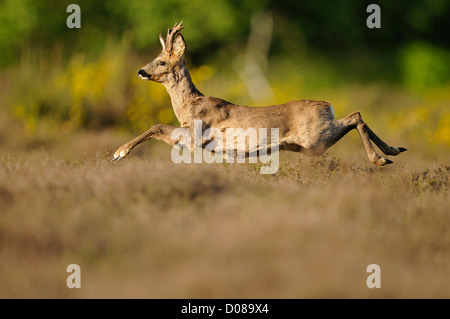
161,132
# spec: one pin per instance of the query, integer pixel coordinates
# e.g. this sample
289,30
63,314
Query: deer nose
143,74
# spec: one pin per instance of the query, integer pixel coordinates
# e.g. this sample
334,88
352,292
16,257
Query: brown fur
304,126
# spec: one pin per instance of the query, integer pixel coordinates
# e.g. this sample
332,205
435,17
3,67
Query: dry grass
148,228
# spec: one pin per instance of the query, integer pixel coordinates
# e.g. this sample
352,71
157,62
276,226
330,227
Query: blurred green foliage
86,78
425,66
330,27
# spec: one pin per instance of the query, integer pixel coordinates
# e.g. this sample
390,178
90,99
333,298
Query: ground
148,228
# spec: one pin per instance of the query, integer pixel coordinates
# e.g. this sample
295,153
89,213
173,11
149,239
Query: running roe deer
304,126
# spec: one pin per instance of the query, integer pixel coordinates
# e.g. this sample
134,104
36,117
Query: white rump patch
332,110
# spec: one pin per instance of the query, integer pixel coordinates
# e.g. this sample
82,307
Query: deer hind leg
386,149
161,132
354,120
373,156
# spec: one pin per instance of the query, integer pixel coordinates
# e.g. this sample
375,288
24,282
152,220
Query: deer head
170,60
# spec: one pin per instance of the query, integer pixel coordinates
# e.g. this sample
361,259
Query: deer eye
161,63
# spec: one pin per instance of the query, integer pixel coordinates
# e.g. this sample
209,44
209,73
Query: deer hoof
120,153
396,151
383,161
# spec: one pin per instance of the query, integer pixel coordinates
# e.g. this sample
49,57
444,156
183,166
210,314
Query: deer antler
171,35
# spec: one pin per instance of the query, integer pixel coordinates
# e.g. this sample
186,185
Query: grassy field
148,228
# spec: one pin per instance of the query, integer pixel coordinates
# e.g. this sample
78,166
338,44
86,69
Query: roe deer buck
304,126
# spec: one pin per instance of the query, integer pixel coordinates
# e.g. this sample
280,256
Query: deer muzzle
143,75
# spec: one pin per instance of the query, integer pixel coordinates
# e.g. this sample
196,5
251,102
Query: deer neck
182,91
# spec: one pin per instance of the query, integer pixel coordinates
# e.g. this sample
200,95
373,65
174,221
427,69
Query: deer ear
179,46
163,41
